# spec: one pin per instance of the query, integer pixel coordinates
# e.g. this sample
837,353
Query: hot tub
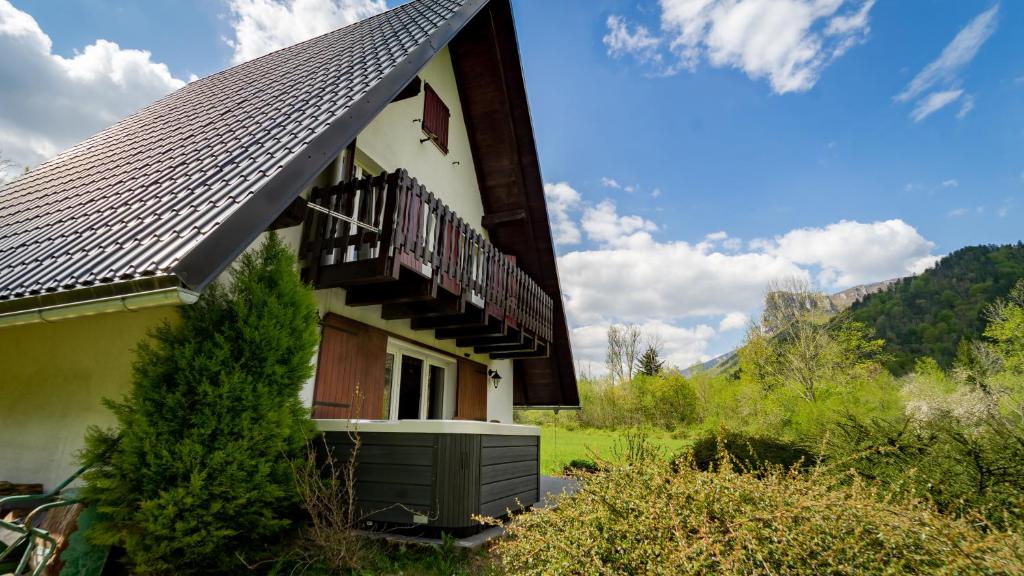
438,473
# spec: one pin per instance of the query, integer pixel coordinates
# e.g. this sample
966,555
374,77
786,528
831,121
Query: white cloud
666,280
923,263
955,56
604,225
615,185
49,102
563,199
941,78
682,347
626,274
639,43
951,183
723,240
966,106
850,253
787,42
734,321
262,26
933,103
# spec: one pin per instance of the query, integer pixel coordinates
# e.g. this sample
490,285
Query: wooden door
350,367
471,397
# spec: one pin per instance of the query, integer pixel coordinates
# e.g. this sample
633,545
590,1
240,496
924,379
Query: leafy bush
748,452
965,470
665,400
643,518
199,478
577,465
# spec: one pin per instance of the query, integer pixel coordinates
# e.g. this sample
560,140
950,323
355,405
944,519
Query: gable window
435,118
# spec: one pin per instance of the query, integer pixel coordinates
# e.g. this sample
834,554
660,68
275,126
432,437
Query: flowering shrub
644,518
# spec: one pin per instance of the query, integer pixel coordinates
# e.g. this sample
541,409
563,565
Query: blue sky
694,149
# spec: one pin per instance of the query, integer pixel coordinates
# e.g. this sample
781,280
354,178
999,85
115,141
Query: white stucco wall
53,378
499,400
392,140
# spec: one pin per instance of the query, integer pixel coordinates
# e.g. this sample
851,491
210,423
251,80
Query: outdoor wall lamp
495,378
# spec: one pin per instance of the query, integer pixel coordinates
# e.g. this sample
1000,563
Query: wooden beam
507,217
391,293
411,90
541,352
466,319
493,327
347,274
440,307
526,345
293,215
513,336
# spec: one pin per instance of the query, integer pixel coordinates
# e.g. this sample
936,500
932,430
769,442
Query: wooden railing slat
414,221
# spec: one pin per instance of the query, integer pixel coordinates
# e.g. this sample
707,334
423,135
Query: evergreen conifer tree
650,362
196,475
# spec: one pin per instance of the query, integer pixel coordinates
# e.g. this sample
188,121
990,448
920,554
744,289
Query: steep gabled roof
172,194
178,187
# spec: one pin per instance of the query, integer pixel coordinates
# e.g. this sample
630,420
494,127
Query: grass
559,446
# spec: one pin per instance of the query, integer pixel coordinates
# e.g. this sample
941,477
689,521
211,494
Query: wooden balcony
390,242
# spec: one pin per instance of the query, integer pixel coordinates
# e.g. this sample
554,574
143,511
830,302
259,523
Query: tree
624,343
930,314
196,475
650,362
800,344
1006,328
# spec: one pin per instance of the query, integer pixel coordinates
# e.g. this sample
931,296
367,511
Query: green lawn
559,446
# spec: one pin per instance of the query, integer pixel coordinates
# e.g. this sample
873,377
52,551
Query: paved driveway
551,488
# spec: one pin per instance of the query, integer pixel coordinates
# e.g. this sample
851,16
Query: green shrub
964,469
643,518
748,452
199,477
577,465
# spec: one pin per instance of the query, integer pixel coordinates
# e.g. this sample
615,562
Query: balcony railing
390,241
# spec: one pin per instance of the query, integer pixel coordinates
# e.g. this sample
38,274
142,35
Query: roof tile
132,200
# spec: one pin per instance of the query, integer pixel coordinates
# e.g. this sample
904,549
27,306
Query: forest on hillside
931,314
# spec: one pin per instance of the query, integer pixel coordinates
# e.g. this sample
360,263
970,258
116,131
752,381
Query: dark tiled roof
133,200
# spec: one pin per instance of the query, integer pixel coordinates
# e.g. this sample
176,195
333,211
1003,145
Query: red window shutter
435,118
351,358
471,393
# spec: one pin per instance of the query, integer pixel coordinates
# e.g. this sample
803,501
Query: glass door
410,388
421,383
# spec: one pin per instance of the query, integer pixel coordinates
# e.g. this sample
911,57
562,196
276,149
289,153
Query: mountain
847,298
715,364
779,300
931,313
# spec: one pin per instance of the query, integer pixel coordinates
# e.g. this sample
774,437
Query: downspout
129,303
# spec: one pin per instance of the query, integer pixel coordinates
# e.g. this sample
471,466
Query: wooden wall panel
351,364
471,397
